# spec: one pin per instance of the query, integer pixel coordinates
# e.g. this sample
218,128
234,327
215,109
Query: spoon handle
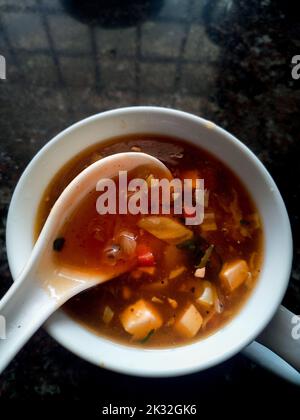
23,309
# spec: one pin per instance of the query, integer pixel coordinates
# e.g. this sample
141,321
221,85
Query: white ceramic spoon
43,286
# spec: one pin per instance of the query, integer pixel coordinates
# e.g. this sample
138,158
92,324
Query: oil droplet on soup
182,283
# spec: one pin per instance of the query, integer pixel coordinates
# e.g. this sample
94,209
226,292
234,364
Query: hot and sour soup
182,282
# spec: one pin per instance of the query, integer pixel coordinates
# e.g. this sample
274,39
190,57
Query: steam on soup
182,282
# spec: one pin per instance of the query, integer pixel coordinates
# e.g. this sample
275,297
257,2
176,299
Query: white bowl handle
278,347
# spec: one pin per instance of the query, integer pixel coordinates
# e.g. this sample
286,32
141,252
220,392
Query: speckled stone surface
229,61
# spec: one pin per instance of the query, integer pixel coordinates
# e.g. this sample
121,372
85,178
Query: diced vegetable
136,149
233,274
173,303
208,295
166,229
200,272
176,272
156,300
108,314
145,256
189,322
140,318
206,257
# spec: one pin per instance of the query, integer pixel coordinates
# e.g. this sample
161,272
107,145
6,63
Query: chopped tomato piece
145,256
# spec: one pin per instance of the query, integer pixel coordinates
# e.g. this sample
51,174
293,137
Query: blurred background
225,60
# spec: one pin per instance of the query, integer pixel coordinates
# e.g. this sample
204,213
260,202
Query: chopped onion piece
200,272
156,300
173,303
176,272
136,149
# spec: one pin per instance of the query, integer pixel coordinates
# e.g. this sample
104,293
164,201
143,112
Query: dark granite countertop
229,61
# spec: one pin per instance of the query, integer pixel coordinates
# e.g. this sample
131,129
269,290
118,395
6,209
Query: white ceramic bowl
257,311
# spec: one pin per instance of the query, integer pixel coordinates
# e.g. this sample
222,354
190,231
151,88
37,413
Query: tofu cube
207,296
140,318
233,274
189,322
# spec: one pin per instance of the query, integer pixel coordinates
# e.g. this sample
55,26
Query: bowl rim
57,322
